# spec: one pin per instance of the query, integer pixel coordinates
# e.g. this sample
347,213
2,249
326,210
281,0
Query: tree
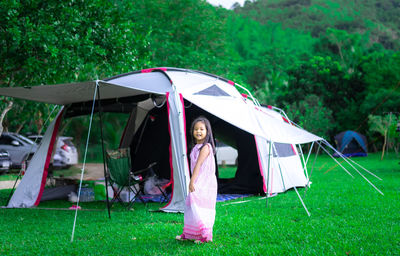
386,127
63,41
312,115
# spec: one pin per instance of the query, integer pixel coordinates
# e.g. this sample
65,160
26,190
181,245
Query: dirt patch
92,172
6,184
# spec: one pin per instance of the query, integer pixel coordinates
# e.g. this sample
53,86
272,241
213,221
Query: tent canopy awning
225,102
64,94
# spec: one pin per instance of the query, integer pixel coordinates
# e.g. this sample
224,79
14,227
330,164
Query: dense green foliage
62,41
338,59
347,218
378,17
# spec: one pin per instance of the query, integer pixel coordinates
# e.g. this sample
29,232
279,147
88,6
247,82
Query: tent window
212,91
283,150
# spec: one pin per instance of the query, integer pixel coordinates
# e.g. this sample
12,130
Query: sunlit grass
348,217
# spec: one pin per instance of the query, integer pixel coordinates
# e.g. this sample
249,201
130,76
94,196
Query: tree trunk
20,126
384,144
3,115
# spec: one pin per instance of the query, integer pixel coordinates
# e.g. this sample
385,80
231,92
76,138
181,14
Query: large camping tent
162,102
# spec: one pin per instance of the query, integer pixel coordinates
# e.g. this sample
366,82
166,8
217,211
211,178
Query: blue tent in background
351,143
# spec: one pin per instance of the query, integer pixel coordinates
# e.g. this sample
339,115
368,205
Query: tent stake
84,163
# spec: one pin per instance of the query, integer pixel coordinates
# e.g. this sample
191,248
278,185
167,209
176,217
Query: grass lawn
348,217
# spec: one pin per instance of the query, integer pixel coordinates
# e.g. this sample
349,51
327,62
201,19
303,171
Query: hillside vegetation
332,65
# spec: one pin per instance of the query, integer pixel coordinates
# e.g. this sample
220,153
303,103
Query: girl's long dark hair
209,137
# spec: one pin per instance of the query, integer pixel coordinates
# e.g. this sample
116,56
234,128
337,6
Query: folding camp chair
122,179
121,176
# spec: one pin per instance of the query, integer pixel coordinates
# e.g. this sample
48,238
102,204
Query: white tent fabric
178,161
279,173
29,191
245,115
209,92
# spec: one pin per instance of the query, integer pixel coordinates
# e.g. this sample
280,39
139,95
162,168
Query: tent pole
269,167
326,151
295,189
354,162
304,161
279,164
365,178
13,188
312,169
376,176
103,151
84,162
309,152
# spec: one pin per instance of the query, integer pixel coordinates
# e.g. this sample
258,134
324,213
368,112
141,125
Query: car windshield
25,139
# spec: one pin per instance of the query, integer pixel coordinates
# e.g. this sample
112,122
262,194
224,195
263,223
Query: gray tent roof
122,86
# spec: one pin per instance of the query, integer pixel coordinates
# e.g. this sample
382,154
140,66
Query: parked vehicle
67,150
65,154
226,155
5,161
19,148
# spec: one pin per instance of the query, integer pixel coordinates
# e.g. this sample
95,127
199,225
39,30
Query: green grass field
348,217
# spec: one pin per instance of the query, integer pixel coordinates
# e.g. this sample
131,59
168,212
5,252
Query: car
226,155
5,161
65,154
67,150
19,148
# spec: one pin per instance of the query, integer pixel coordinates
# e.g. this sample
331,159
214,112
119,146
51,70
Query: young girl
200,203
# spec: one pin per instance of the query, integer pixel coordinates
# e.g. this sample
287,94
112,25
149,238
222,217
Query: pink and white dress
200,205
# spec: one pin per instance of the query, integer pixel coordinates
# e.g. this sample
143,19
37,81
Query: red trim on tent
48,158
171,182
152,69
231,82
245,95
269,106
294,151
284,119
260,165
